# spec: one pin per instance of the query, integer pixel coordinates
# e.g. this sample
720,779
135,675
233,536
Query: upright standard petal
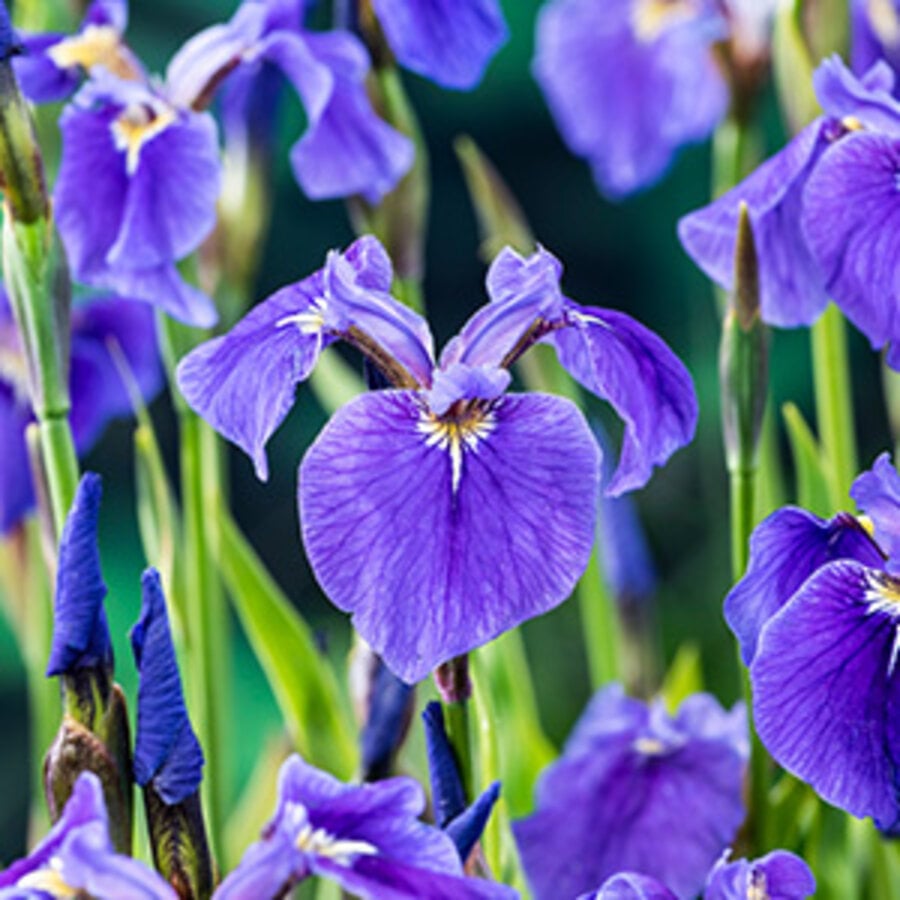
393,513
826,694
80,633
877,493
778,874
449,41
243,383
791,284
786,549
608,352
851,218
621,361
347,149
525,302
637,791
630,83
167,752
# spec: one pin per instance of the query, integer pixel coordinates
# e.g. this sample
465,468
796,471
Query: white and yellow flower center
757,886
137,125
310,321
883,596
318,842
50,880
652,17
647,746
457,436
97,45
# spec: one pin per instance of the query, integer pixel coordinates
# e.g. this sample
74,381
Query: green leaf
813,472
498,843
685,676
500,218
793,67
334,382
525,750
304,686
157,511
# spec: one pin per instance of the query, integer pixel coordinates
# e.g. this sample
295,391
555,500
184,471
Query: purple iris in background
778,875
444,511
631,82
818,618
52,66
346,148
367,838
821,210
875,33
637,790
95,384
167,754
449,41
77,858
153,171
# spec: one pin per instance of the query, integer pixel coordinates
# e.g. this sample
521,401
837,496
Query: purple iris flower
80,632
52,66
875,33
779,874
637,790
346,149
823,652
776,876
631,82
97,392
821,211
367,838
445,511
449,41
77,858
153,171
167,754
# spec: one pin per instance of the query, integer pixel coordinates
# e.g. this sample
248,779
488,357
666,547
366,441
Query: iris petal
825,689
397,532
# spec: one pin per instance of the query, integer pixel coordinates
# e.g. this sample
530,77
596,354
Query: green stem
456,721
455,688
43,693
61,463
743,490
204,606
202,600
600,624
834,402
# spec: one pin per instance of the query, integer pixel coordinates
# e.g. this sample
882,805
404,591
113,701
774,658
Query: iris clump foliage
532,474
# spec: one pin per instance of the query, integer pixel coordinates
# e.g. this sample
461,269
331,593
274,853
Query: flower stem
834,402
205,607
454,686
202,600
